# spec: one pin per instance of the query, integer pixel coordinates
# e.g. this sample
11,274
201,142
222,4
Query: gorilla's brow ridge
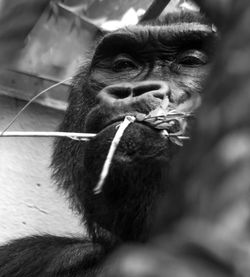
135,40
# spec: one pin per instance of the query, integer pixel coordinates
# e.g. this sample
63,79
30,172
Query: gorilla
131,72
202,225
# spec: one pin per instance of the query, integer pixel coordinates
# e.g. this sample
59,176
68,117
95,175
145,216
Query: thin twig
75,136
179,137
31,101
112,149
155,9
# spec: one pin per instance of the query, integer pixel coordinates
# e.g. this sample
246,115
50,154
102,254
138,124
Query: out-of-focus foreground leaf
17,18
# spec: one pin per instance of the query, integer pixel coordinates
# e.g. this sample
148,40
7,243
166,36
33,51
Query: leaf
140,117
176,140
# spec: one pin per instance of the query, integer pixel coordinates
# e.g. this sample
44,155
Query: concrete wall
29,202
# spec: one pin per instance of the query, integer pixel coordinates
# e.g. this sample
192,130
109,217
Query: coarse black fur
157,51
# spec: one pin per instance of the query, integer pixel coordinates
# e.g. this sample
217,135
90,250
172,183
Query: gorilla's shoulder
49,256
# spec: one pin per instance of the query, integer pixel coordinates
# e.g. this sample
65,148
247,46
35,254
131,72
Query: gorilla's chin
139,144
137,175
138,138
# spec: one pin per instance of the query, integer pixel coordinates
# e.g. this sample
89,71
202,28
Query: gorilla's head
130,72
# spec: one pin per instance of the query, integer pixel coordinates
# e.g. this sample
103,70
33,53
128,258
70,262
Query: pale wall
29,202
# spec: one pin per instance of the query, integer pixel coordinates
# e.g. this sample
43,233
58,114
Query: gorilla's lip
111,122
97,122
118,119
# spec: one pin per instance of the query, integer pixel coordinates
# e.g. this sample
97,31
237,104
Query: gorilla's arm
50,256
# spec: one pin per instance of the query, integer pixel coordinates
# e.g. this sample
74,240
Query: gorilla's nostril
158,89
120,92
112,93
144,88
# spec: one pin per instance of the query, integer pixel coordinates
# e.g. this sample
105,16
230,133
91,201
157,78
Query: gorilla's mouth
99,119
171,125
116,122
139,135
139,140
112,122
174,130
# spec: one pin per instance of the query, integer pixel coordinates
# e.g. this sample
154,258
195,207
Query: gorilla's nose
126,92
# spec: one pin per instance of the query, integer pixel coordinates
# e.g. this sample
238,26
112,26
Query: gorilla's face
132,72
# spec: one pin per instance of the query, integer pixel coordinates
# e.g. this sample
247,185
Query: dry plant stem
112,149
31,101
75,136
179,137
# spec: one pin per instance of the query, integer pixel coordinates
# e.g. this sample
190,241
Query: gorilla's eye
193,58
122,62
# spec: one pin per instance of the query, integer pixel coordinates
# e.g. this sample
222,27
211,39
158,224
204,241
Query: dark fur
138,176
